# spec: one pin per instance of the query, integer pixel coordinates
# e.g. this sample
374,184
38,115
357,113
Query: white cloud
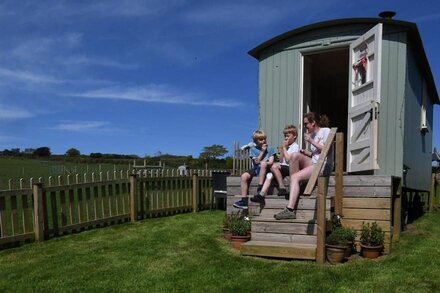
154,94
26,76
84,60
84,126
45,47
8,113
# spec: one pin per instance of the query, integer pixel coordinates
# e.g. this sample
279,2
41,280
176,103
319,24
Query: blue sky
139,77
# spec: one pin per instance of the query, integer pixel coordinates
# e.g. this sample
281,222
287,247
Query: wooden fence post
339,169
133,198
321,219
195,192
38,212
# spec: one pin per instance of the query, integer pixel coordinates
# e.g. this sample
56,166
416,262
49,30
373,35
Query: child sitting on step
281,169
262,156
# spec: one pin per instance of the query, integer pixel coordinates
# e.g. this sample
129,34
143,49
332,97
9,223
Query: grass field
187,253
26,168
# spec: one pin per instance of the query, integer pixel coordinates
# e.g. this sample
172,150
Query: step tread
279,249
279,244
270,218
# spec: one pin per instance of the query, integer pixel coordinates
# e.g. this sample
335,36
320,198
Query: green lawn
187,253
16,168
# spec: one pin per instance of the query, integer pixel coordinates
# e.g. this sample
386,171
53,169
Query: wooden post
432,194
339,169
321,219
195,191
133,198
397,218
38,212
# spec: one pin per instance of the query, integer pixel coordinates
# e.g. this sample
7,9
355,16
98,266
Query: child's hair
321,121
290,129
258,134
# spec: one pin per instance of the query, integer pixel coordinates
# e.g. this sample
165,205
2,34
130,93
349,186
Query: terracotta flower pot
371,251
335,253
238,240
227,234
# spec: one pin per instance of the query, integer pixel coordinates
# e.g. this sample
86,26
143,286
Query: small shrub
239,226
350,234
372,234
341,236
337,237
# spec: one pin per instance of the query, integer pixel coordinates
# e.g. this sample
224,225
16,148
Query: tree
72,152
96,155
42,152
213,152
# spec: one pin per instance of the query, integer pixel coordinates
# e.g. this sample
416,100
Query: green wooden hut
371,77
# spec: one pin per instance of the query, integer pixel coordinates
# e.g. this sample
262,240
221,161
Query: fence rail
42,212
241,161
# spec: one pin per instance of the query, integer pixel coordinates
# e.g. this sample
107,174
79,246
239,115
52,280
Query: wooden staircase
294,239
301,238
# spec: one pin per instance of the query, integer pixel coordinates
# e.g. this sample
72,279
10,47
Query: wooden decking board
368,214
285,238
376,203
268,215
363,180
365,191
277,249
284,227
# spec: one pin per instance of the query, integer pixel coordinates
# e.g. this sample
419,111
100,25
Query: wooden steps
279,249
292,238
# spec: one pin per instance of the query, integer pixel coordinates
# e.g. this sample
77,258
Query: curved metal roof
411,28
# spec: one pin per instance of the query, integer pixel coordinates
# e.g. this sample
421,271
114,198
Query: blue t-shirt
255,152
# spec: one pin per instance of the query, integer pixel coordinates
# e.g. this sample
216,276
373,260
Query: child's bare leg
266,185
263,171
276,171
244,183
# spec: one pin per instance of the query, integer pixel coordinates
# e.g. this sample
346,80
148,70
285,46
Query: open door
363,101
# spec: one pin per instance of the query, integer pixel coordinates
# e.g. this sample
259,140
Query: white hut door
363,101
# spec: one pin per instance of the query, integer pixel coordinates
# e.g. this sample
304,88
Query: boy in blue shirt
262,156
281,169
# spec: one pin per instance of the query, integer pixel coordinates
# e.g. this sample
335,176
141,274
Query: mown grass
16,168
187,253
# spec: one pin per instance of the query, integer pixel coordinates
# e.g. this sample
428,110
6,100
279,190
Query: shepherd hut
371,77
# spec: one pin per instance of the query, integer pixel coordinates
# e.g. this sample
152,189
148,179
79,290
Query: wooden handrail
320,163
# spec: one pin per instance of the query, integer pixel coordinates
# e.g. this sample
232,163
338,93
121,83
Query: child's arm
261,155
294,148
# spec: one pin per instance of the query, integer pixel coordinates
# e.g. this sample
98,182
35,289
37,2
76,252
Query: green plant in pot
239,227
350,236
372,240
226,225
337,243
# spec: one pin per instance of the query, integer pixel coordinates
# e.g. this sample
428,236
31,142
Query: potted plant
226,225
239,227
336,245
350,236
372,239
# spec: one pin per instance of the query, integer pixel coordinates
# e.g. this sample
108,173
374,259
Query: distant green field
16,168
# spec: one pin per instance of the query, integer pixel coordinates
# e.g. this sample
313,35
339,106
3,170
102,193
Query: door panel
363,101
